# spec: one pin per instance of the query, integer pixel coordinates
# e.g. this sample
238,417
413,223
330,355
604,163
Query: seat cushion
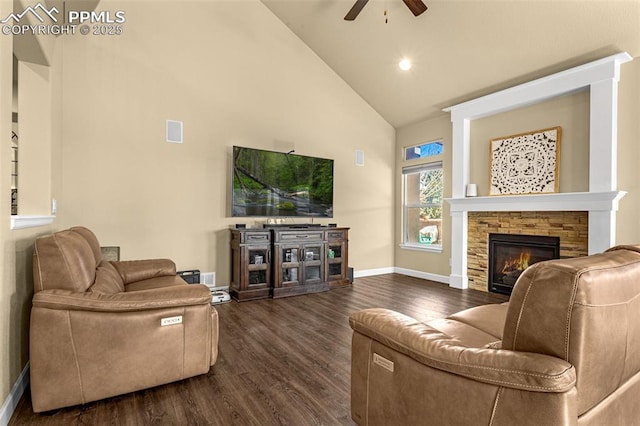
488,318
479,327
156,282
108,280
467,335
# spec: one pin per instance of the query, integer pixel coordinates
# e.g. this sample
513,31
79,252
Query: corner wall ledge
30,221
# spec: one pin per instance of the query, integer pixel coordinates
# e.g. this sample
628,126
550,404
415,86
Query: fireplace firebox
511,254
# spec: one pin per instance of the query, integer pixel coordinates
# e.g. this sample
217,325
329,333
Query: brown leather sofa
100,328
565,350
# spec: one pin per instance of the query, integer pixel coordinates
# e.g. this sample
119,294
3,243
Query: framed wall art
526,163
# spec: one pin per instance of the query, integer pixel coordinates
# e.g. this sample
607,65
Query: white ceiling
461,49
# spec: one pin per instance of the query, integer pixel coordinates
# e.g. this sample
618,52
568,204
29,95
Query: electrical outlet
54,206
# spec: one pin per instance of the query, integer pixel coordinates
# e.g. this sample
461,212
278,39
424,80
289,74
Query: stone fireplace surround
570,227
600,202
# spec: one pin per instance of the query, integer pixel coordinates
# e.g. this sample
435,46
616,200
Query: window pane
412,189
423,151
421,229
423,204
431,188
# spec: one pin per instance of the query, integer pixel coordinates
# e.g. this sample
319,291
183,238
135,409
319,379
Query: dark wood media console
287,261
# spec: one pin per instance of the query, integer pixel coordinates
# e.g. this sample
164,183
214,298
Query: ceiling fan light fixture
415,6
405,64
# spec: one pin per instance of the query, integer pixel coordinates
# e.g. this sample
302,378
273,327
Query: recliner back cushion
65,261
584,310
108,280
91,238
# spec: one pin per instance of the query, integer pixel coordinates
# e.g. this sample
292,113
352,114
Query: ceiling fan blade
416,6
355,10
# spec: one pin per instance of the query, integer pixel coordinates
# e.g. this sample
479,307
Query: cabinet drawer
256,237
336,235
300,236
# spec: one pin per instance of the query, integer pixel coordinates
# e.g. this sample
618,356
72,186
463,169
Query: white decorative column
603,154
601,78
459,220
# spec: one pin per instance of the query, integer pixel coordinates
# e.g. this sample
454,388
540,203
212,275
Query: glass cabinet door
258,256
313,260
257,277
258,266
336,267
335,251
290,263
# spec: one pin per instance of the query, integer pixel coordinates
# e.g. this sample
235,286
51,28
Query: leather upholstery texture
99,329
564,350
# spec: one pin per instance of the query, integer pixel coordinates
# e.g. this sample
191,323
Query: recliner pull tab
171,321
383,362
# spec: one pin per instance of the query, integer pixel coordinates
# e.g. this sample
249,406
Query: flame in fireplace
518,264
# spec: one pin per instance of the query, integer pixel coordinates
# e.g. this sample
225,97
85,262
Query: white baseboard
424,275
395,270
10,404
371,272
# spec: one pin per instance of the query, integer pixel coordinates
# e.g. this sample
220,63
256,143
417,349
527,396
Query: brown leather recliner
565,350
100,329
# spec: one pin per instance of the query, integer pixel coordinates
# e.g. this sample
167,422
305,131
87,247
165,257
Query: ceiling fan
415,6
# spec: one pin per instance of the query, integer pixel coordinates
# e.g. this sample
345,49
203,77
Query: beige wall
16,285
628,231
235,75
570,112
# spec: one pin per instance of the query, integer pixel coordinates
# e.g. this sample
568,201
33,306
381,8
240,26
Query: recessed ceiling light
405,64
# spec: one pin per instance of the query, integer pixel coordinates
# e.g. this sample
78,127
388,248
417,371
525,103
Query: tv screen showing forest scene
269,183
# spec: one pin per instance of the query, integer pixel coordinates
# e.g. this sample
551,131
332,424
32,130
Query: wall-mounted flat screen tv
269,183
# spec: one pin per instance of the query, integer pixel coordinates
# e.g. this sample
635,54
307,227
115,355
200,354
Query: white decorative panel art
526,163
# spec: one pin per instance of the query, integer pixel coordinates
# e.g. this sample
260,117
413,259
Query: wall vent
174,131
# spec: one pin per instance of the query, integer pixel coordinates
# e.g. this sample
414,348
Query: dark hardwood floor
281,362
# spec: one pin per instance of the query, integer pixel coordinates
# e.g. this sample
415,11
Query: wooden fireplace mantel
601,79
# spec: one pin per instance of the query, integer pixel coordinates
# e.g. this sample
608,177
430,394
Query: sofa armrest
165,297
517,370
138,270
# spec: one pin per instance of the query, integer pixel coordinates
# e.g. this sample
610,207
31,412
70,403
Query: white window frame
407,170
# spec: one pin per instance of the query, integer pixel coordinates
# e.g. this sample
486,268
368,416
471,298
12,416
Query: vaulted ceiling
460,49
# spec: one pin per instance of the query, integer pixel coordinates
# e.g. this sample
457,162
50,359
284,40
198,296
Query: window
429,149
422,205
